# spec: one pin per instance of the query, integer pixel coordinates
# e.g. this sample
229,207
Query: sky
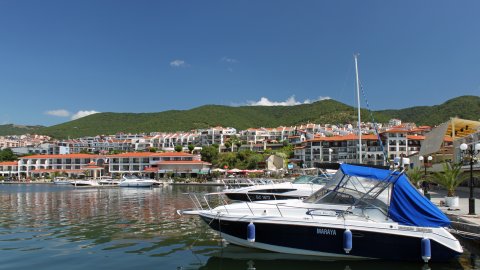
61,60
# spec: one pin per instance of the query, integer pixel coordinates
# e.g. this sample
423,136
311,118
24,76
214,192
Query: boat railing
205,201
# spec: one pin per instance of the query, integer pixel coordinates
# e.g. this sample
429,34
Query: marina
58,227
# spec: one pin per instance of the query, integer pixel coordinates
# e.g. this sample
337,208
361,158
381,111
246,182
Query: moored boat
135,181
62,181
300,188
362,213
84,183
108,181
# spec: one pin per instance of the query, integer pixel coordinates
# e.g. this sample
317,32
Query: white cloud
81,114
291,101
59,113
229,60
179,63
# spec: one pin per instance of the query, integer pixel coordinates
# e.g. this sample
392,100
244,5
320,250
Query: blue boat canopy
407,205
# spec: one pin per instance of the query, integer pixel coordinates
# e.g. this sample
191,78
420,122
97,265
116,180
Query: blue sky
64,59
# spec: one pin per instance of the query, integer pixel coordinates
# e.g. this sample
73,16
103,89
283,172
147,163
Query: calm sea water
60,227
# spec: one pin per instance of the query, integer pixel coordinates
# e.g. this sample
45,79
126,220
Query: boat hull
136,184
328,241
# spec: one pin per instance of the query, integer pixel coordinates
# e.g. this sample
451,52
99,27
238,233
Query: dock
464,226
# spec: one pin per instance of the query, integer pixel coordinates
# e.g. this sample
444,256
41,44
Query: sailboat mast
358,105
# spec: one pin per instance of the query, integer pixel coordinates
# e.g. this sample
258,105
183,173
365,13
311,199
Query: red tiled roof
151,154
396,130
349,137
61,156
92,167
9,163
415,137
56,170
183,162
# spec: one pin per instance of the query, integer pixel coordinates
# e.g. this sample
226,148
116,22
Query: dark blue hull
366,244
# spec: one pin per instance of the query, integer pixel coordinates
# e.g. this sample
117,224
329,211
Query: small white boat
300,188
62,181
135,181
108,181
84,183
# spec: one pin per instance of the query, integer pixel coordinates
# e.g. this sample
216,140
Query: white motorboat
108,181
362,213
62,181
300,188
85,183
135,181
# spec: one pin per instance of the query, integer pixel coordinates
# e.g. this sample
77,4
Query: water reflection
59,227
234,257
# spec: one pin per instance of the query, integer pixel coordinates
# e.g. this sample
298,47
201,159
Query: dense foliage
245,159
322,112
11,129
7,155
465,107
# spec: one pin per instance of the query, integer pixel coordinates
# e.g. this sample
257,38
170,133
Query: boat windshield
304,179
355,191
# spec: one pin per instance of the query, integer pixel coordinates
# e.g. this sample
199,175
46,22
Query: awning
454,129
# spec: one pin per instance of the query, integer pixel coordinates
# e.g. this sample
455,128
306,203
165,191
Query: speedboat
108,181
300,188
135,181
84,183
62,181
362,213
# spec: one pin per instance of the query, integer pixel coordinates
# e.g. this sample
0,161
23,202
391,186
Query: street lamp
469,152
425,183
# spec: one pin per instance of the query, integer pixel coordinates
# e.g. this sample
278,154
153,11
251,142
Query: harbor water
50,226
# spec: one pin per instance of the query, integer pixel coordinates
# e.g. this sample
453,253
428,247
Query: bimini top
407,205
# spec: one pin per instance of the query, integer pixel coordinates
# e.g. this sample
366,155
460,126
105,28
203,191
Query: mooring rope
385,155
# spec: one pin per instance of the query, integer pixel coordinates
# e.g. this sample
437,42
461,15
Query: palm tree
449,177
415,176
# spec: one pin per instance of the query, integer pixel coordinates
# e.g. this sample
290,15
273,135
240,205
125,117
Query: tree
209,154
191,147
253,160
153,149
228,144
449,177
234,140
7,155
415,176
178,148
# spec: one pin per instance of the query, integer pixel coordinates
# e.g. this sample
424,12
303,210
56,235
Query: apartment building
216,135
339,149
8,168
156,163
70,164
404,140
168,141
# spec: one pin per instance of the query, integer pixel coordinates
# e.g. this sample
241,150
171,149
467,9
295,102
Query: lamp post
425,183
469,152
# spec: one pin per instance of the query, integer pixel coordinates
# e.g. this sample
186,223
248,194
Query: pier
463,225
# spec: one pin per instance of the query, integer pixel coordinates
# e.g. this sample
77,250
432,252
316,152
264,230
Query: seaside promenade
459,215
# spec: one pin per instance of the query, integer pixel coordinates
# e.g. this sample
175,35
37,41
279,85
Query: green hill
11,129
465,107
326,111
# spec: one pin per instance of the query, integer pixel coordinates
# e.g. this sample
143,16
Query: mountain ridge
242,117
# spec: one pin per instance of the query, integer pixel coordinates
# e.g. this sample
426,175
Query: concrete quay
465,225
